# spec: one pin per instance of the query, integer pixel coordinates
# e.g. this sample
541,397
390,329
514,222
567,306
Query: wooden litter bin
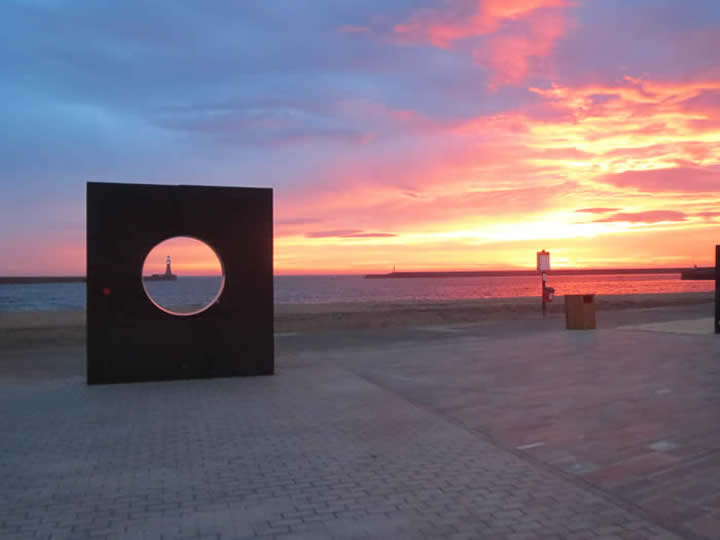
580,311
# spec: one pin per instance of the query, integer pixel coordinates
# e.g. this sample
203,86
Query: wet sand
28,328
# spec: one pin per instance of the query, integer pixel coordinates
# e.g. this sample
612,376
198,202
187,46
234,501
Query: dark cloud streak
678,179
347,233
597,210
650,216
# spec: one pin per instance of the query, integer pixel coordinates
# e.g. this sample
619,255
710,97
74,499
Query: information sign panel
543,261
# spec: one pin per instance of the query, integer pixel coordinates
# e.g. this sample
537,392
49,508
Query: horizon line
417,270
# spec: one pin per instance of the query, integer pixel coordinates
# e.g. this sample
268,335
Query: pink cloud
650,216
706,100
678,179
707,215
458,20
509,55
516,30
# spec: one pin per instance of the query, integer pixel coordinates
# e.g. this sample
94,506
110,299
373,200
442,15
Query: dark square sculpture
129,339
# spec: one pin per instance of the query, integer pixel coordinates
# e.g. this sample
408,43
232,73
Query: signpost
543,265
717,289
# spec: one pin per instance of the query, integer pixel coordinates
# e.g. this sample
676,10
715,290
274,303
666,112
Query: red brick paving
595,400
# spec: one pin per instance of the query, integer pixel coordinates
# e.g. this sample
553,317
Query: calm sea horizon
316,289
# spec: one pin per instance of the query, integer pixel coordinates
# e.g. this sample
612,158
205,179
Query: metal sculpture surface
128,338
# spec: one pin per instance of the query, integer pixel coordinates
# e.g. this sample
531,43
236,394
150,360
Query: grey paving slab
314,452
703,326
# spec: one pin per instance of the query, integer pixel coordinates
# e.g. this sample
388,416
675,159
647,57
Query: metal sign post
543,265
717,289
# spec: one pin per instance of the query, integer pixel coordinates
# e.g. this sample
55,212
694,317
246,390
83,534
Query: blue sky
362,118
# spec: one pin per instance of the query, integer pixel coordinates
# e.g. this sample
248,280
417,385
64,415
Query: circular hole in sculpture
183,276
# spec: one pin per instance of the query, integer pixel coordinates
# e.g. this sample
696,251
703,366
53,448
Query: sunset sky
426,134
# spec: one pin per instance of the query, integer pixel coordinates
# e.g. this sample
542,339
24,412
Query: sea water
340,289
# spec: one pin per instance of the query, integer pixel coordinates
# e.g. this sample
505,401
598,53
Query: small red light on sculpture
106,291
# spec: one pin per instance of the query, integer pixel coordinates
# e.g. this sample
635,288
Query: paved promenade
633,411
426,433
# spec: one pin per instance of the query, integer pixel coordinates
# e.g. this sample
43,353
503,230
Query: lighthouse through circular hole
183,276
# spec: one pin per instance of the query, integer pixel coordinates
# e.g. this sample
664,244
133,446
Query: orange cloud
490,189
634,125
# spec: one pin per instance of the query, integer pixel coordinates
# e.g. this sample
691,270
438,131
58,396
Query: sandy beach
28,328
